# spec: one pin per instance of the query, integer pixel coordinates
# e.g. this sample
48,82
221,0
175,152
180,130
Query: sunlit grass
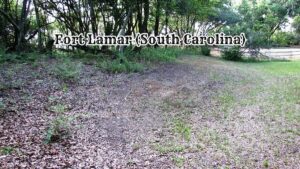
278,67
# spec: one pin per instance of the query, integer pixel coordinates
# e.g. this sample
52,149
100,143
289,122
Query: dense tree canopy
32,22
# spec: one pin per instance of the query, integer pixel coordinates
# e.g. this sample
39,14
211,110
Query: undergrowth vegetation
66,69
205,50
232,54
120,65
182,128
162,54
19,58
59,129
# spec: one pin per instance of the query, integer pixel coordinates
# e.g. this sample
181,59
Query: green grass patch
227,101
178,161
169,148
182,128
211,137
278,67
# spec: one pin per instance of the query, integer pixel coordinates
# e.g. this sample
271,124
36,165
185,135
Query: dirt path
199,112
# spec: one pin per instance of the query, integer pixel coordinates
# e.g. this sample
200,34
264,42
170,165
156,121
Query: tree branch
9,19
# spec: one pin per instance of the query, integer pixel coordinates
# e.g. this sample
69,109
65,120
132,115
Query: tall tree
22,24
38,22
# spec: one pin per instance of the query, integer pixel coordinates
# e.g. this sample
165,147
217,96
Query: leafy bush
120,65
284,39
233,54
205,50
67,70
59,128
296,24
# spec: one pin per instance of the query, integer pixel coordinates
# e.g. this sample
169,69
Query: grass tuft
6,150
120,65
65,69
178,161
182,128
170,148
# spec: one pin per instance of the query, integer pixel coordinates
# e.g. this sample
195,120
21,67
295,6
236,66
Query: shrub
233,54
67,70
205,50
296,24
284,39
58,129
120,65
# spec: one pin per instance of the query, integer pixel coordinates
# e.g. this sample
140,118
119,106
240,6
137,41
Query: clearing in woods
198,112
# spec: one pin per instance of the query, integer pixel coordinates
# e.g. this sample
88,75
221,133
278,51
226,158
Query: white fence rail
272,53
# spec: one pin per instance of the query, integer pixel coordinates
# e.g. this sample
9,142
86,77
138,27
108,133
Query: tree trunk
38,22
22,23
5,9
122,30
93,17
139,16
146,16
157,17
166,21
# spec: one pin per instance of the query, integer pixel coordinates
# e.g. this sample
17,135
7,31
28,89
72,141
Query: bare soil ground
199,112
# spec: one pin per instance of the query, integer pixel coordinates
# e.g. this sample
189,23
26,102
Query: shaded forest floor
197,112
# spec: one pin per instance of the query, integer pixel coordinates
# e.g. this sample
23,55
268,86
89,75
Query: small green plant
232,54
64,87
205,50
182,128
6,150
59,108
2,105
120,65
178,161
59,128
266,163
67,70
